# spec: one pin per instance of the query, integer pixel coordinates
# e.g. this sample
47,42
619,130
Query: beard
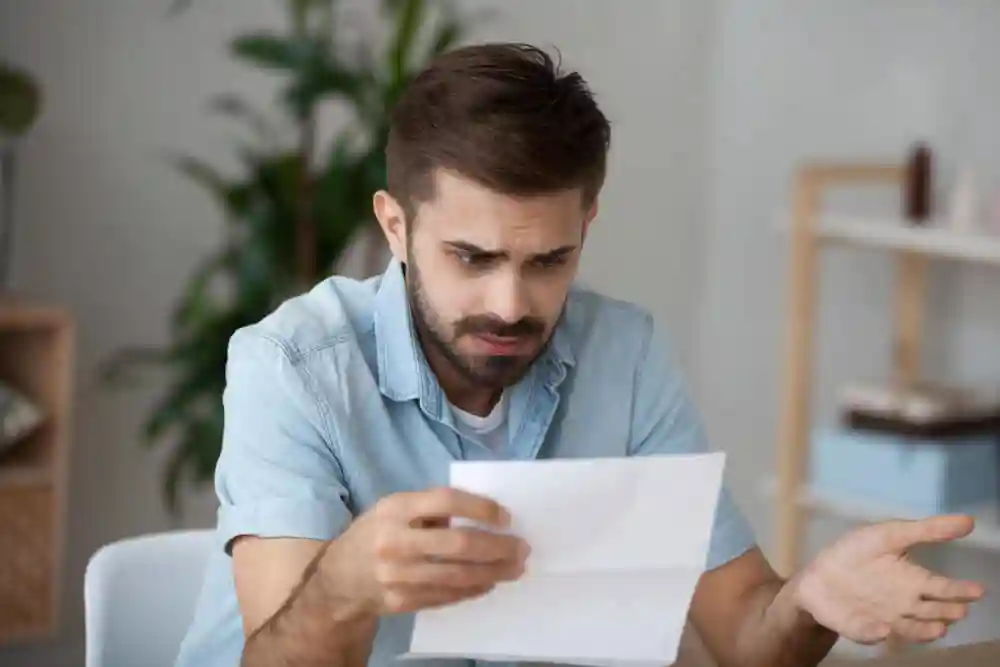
485,371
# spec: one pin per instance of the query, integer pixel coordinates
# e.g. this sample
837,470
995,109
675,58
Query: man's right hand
404,554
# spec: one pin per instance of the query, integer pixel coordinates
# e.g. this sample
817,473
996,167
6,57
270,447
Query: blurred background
153,200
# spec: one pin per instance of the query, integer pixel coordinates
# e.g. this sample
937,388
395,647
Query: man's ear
392,220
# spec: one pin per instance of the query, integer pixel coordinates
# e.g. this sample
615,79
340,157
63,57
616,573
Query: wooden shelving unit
36,358
911,248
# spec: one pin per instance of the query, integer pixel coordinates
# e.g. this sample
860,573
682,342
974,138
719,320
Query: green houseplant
290,213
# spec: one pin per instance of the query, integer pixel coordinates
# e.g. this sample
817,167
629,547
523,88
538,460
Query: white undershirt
490,430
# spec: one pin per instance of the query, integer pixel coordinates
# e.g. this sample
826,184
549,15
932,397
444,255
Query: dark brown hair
502,115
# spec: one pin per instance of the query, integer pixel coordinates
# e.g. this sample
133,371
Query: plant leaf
234,106
197,304
197,452
445,37
20,100
172,476
272,51
203,174
200,383
409,18
324,79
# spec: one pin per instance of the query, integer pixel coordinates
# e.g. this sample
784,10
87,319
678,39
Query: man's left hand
864,587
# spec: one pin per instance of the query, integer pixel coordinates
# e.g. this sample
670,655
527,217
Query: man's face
488,275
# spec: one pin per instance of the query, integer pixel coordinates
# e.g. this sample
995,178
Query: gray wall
109,231
843,79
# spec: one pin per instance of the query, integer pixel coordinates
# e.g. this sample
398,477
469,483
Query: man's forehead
467,211
506,236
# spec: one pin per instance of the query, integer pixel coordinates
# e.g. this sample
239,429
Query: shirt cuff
289,518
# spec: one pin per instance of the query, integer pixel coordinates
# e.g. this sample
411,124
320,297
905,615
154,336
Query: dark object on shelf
918,185
19,417
940,429
920,405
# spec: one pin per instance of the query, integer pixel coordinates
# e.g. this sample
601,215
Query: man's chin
499,372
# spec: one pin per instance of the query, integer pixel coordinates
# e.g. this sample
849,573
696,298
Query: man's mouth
504,345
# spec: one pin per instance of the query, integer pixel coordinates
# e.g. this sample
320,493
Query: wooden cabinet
36,358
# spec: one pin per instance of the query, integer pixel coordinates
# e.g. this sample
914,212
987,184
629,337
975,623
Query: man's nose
508,300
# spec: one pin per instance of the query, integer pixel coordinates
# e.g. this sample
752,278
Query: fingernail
505,518
523,551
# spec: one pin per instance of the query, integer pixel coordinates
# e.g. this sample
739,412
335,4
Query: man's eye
473,259
550,262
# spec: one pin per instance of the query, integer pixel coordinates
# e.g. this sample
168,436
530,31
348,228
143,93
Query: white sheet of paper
617,545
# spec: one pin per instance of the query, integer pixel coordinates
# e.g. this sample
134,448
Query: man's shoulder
595,320
337,311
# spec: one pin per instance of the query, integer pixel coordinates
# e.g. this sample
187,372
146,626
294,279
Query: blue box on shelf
906,475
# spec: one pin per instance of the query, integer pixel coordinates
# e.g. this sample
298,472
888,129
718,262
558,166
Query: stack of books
923,411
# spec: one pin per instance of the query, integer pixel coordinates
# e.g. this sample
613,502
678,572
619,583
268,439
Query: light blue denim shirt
330,405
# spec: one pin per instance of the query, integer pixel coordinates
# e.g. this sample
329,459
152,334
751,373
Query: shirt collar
403,372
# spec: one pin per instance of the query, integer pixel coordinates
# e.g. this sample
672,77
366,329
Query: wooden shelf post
810,184
794,427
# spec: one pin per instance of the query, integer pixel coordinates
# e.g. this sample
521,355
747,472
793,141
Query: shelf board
986,535
25,475
19,316
896,234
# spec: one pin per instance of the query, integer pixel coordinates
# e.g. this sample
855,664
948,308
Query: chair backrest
139,597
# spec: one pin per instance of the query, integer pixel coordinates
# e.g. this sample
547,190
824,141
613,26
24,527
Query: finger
409,599
901,535
919,631
937,587
446,575
462,545
947,612
447,502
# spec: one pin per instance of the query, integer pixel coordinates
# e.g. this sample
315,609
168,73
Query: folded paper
618,546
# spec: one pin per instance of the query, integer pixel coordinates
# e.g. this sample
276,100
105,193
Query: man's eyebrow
473,249
557,253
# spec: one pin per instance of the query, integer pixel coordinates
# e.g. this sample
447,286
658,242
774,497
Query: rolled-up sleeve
278,474
665,421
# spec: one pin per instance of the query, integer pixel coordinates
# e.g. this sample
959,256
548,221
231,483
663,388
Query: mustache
487,324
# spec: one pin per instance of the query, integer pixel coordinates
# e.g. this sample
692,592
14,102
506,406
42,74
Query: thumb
898,536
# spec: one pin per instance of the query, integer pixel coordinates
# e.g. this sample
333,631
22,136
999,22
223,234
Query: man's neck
460,391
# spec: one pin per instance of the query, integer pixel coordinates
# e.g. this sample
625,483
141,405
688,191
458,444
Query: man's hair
500,114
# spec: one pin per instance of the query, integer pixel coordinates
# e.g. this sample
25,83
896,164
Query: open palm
864,587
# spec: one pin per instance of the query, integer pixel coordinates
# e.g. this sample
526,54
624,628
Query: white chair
140,595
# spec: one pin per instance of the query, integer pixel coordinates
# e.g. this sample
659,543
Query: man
346,405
